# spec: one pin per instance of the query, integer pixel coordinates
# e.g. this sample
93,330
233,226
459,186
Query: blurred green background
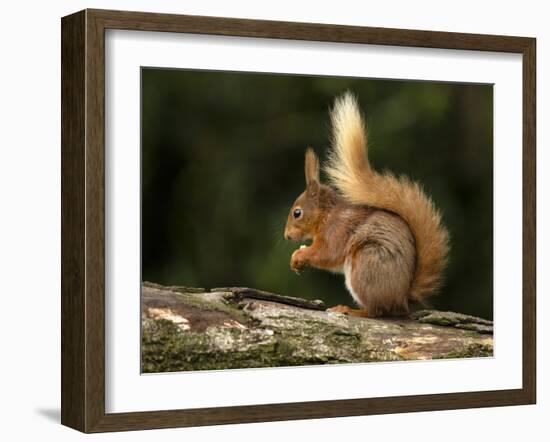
222,161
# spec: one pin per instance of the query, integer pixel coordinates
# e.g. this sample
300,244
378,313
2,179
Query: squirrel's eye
297,213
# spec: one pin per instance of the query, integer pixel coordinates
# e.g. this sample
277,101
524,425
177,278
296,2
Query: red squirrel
381,231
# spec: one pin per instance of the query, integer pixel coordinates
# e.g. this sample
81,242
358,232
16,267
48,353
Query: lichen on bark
232,327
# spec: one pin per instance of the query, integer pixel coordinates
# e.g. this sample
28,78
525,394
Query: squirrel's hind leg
378,283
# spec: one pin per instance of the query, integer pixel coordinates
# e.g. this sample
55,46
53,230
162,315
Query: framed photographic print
256,214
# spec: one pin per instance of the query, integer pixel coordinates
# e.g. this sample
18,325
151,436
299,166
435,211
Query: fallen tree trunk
194,329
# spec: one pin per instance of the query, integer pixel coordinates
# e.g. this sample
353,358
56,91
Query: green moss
166,348
471,351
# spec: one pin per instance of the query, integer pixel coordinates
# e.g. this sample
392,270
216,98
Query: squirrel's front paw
298,261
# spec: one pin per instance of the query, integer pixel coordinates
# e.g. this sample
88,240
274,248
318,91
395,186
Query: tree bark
187,328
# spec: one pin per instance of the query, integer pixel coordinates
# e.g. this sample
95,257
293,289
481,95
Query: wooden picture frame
83,220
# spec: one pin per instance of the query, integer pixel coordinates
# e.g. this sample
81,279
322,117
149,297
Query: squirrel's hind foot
347,310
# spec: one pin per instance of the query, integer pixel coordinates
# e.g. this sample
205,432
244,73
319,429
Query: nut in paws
298,261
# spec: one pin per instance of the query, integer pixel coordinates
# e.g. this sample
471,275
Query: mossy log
187,328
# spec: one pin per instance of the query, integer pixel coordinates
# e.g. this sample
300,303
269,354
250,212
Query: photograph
297,220
268,219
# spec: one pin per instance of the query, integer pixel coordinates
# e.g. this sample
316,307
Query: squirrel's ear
312,171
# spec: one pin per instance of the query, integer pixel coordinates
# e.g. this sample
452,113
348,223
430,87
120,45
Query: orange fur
351,173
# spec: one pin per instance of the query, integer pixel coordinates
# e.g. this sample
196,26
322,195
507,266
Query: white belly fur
347,273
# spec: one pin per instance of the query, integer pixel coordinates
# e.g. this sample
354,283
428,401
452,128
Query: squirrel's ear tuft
312,169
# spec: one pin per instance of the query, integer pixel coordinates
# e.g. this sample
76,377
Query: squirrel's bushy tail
349,170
